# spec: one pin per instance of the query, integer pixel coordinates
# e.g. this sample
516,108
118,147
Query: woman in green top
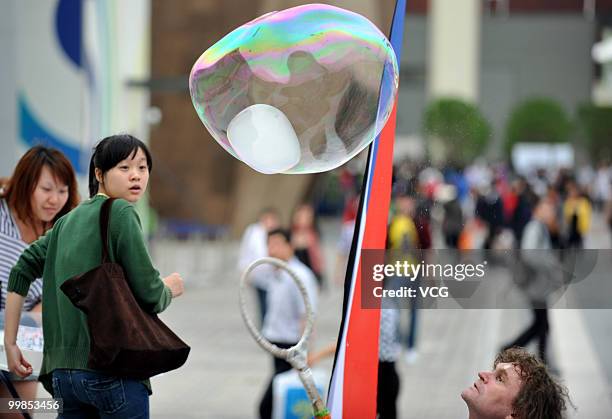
119,168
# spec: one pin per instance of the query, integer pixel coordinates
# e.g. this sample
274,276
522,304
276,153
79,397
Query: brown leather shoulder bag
126,341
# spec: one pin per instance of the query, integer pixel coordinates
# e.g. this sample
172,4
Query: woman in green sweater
119,168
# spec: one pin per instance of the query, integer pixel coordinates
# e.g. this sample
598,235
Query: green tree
537,120
596,128
460,126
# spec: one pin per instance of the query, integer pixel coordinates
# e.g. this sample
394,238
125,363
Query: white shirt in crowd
603,188
253,246
286,310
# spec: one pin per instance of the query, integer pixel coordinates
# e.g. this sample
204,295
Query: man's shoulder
308,279
301,270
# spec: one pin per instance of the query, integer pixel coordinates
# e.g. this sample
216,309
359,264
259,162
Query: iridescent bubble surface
327,76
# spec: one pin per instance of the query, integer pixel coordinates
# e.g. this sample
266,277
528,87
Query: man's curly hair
541,396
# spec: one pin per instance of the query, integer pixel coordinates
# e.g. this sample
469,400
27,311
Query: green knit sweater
72,247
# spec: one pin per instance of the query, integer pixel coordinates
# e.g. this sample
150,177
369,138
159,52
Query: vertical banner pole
354,378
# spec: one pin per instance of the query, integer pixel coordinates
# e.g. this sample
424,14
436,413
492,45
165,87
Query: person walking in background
422,220
603,193
489,209
608,218
286,315
556,237
42,189
453,222
602,190
525,199
577,216
403,238
389,348
537,282
305,240
254,246
402,230
119,168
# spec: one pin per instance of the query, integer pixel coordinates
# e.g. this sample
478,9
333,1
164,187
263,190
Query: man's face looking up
492,395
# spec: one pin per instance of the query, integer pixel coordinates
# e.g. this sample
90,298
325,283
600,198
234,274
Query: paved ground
226,371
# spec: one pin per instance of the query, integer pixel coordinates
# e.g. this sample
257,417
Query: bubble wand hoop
296,355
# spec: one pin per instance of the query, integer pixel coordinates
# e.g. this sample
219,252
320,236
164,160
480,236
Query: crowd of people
489,207
46,236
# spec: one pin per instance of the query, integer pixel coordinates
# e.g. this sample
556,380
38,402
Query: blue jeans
92,395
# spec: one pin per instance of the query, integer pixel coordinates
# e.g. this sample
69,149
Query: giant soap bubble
297,91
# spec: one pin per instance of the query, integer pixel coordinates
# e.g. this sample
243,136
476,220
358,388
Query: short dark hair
281,232
541,396
110,151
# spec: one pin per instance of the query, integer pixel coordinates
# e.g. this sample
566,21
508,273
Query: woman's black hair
109,152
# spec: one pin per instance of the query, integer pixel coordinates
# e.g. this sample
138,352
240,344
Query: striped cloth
389,346
11,247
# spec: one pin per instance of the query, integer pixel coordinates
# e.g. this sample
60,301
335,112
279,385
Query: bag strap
6,380
104,224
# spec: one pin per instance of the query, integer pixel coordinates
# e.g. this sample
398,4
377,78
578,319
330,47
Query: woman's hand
17,364
175,283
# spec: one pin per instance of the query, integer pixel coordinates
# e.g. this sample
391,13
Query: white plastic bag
290,398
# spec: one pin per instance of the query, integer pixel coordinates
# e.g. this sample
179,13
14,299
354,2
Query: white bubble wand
295,355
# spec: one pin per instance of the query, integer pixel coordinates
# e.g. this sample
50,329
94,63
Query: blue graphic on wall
33,132
68,27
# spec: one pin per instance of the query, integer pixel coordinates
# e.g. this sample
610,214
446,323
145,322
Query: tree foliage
460,125
537,120
596,128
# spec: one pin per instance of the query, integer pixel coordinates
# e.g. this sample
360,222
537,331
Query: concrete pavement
226,372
